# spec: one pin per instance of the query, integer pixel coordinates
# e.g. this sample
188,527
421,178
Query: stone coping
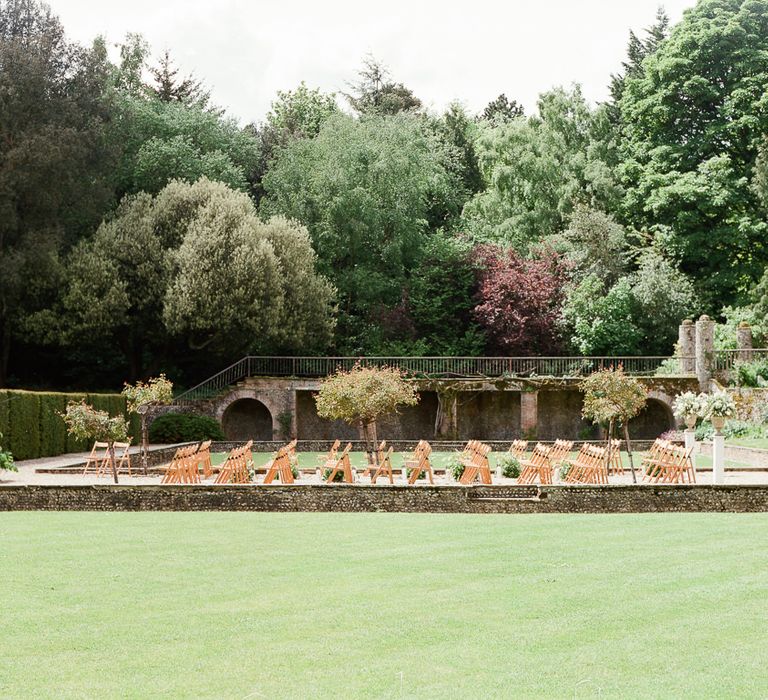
386,498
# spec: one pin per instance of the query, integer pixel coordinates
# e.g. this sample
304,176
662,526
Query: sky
247,50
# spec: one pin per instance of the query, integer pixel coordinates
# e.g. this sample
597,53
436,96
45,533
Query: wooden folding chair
182,469
342,465
122,458
384,468
615,467
517,448
280,467
236,467
329,460
424,450
559,451
538,468
381,452
94,460
477,466
204,459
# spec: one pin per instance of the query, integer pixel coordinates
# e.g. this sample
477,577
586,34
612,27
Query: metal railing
437,368
726,360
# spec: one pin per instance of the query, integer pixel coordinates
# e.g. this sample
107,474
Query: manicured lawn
241,605
760,443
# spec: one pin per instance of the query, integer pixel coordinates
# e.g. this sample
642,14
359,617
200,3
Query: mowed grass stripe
383,605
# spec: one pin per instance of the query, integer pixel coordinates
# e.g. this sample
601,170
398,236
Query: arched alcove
247,419
655,419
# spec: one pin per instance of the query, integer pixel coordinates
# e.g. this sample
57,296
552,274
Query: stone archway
655,419
247,419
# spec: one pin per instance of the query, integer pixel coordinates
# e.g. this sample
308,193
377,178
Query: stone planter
718,422
690,421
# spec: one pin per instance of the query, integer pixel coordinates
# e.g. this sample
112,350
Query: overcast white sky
443,50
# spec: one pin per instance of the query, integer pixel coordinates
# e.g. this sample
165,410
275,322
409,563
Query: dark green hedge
32,427
184,427
24,424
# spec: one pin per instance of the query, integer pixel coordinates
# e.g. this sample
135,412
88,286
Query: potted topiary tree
86,423
362,396
613,398
141,398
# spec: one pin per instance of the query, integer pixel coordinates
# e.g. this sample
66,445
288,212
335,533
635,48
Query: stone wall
416,499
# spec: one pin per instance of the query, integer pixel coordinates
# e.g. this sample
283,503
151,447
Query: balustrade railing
437,367
726,360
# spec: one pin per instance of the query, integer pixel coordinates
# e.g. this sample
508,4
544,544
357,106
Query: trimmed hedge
184,427
32,427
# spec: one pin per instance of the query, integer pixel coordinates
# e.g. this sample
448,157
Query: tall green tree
364,189
693,122
375,92
502,109
54,159
536,169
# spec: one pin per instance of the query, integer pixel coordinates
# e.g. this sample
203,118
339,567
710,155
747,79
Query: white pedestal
690,444
718,459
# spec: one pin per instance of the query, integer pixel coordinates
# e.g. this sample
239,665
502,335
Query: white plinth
718,459
690,444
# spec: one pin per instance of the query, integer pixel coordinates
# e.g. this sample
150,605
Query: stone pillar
686,343
690,444
448,425
529,414
718,459
744,341
705,351
294,415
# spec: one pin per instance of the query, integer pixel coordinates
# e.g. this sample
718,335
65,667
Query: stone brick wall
416,499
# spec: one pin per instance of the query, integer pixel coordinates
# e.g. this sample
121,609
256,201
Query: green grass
760,443
244,605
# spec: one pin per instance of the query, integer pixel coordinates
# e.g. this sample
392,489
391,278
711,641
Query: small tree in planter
141,398
86,423
613,398
362,396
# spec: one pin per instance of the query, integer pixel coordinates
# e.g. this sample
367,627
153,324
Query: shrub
24,428
338,477
455,467
184,427
6,458
752,374
510,466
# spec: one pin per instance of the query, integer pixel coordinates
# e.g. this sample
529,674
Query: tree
169,87
141,398
240,284
364,395
300,113
502,109
662,296
760,182
459,132
595,244
376,93
54,161
86,423
441,298
613,398
364,189
600,320
519,300
693,121
638,48
536,169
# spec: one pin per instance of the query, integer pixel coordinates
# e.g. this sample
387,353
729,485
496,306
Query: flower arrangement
688,407
719,405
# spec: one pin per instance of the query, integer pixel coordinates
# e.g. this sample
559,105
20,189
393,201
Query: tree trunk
629,452
144,442
609,448
112,460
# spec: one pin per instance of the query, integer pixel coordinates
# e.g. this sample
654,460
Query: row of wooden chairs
237,467
589,466
474,459
187,463
543,462
667,463
98,461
